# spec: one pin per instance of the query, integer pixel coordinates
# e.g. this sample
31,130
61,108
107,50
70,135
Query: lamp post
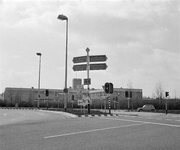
39,54
62,17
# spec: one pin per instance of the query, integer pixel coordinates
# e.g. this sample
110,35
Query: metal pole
66,95
39,54
88,68
109,100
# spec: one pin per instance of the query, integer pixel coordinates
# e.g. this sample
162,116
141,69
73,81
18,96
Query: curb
100,115
19,108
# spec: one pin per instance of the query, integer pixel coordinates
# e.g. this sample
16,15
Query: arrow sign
101,66
83,67
93,58
98,58
80,67
80,59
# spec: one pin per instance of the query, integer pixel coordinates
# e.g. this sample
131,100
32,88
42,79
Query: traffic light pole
109,103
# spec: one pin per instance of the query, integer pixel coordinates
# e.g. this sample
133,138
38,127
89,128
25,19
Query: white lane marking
162,124
168,119
149,118
41,114
22,113
158,118
94,130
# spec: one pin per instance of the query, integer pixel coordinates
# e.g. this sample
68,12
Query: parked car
147,107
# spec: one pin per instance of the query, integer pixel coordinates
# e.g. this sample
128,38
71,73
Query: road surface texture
41,130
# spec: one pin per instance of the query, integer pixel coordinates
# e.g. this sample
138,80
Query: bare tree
159,91
129,84
130,101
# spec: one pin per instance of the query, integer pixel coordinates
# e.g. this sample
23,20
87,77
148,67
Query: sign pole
109,101
88,68
166,105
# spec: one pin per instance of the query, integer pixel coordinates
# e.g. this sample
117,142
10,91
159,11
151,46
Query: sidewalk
135,113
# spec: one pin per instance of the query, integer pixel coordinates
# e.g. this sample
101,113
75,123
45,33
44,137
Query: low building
29,97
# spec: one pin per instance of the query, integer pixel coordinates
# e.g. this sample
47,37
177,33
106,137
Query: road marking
22,113
149,118
168,119
162,124
94,130
158,118
41,114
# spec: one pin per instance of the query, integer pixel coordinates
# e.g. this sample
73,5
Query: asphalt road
40,130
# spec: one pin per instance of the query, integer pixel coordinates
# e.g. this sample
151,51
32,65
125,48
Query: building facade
28,97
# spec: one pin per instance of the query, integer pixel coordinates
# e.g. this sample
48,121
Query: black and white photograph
89,74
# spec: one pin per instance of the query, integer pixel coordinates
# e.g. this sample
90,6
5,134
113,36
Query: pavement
45,130
135,113
125,113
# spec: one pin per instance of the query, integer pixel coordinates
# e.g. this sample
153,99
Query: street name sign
93,58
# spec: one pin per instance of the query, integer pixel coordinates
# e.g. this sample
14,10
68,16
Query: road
40,130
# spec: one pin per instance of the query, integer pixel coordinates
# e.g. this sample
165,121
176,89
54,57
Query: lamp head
39,54
62,17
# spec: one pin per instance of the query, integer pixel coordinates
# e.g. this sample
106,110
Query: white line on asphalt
22,113
168,119
158,118
94,130
162,124
149,118
41,114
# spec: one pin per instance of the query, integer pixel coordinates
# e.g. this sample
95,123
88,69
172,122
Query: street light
62,17
39,54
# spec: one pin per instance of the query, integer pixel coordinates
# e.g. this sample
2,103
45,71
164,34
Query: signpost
88,66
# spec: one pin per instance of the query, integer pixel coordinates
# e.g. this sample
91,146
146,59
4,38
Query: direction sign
93,58
98,58
101,66
80,67
80,59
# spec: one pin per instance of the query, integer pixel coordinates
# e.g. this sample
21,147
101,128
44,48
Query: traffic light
167,94
110,88
47,92
72,97
106,88
130,94
126,94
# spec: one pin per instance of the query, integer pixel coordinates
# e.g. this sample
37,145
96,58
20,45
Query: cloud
140,39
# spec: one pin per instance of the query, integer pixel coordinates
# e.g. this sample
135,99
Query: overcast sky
141,39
